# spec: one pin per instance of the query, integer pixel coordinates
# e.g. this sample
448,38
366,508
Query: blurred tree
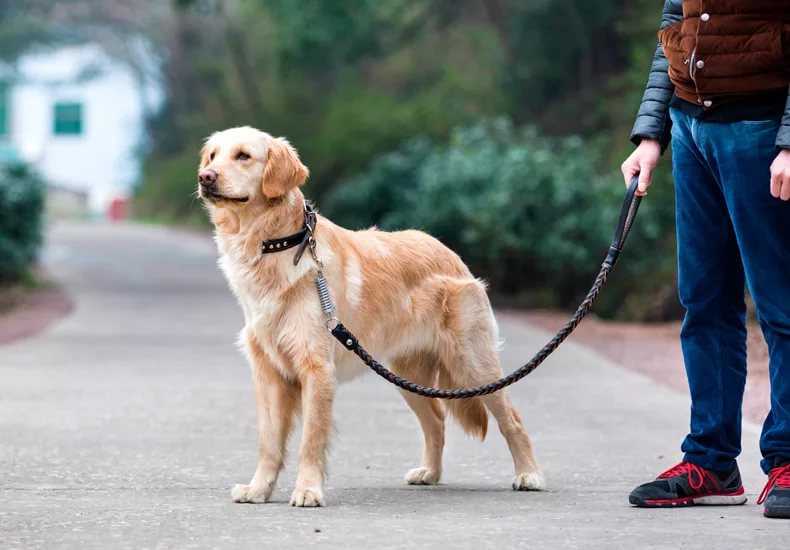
348,81
20,29
344,80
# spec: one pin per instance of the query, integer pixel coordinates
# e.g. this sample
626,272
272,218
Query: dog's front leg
318,390
277,400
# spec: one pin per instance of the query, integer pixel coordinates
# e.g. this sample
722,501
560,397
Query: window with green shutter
68,119
3,109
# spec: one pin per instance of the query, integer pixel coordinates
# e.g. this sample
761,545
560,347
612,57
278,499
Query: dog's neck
243,229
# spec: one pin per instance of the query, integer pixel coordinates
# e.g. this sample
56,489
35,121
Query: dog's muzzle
209,188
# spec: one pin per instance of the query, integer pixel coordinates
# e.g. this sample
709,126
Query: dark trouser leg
711,288
742,154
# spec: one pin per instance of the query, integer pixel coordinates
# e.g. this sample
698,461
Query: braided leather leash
350,342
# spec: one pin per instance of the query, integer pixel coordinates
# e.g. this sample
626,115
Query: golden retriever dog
411,301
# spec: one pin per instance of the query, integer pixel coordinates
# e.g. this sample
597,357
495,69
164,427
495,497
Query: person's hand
643,161
780,176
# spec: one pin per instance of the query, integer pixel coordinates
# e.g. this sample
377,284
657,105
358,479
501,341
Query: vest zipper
693,60
693,73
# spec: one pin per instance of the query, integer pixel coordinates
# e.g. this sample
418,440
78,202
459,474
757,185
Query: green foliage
558,48
349,82
353,83
322,35
170,196
383,191
343,81
346,81
524,211
21,211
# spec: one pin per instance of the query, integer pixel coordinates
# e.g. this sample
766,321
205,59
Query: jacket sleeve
652,120
783,138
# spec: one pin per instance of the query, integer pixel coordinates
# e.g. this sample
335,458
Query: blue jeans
731,232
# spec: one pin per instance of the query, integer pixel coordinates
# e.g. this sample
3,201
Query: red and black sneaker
776,494
690,485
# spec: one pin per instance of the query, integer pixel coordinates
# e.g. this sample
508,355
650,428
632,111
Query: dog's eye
242,156
211,157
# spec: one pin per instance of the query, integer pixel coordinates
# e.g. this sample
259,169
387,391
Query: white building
77,116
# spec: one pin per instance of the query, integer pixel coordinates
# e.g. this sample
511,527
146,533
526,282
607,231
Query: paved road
125,426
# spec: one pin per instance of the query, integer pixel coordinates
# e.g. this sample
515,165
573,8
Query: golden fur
410,300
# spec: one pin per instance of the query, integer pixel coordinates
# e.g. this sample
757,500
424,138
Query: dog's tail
471,414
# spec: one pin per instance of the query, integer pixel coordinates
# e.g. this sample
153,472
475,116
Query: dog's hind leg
423,369
277,401
528,475
470,358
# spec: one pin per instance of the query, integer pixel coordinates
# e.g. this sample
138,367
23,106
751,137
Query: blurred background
496,125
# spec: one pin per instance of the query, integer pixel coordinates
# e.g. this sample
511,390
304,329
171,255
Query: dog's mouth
213,196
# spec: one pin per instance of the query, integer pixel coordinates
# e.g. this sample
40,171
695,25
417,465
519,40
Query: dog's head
243,166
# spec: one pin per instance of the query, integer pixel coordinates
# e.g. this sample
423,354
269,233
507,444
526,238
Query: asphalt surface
126,424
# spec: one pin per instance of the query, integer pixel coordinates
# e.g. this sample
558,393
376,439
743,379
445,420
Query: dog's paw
529,481
250,494
422,476
309,497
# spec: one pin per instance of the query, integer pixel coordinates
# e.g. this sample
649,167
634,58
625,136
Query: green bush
21,213
529,214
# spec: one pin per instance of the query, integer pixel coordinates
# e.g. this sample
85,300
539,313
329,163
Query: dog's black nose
207,178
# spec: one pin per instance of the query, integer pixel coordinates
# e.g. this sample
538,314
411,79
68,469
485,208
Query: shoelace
696,475
779,476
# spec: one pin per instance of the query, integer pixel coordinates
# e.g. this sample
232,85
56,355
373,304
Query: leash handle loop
625,222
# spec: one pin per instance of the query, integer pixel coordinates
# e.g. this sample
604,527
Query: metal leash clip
324,294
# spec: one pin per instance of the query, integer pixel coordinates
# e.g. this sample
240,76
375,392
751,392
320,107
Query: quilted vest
727,48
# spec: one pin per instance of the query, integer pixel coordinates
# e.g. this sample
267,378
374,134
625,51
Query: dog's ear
283,170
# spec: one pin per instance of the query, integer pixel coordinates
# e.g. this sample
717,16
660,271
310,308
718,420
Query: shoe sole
725,499
777,513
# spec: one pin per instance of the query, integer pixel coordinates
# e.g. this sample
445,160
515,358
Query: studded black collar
300,239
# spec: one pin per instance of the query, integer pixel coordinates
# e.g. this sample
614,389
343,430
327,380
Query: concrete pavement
126,424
